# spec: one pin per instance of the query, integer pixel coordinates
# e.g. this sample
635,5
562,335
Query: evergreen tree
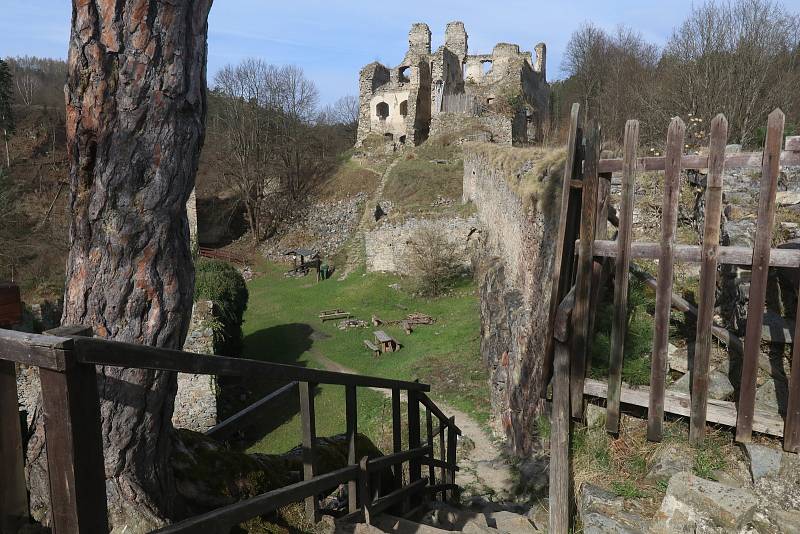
6,115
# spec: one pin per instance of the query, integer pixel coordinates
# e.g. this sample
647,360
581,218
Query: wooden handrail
742,160
234,514
34,349
429,404
383,462
115,353
237,420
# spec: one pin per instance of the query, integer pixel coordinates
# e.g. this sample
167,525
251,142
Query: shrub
433,262
221,283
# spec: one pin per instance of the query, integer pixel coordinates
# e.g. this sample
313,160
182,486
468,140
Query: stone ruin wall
513,264
387,245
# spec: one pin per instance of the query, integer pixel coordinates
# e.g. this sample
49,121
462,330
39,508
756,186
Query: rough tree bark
136,108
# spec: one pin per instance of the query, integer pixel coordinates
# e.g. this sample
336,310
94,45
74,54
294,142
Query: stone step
389,523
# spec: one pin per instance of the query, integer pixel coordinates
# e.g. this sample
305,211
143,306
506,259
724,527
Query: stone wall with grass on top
515,194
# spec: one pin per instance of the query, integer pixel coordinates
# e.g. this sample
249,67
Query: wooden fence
583,251
66,359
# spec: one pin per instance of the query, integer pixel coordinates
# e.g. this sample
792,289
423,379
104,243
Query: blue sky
332,39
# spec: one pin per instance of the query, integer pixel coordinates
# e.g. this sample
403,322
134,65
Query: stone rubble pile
765,500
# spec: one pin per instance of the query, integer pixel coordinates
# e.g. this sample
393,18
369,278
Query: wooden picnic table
386,342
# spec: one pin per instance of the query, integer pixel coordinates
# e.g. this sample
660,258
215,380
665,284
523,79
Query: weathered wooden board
719,412
760,272
669,221
619,325
742,160
708,277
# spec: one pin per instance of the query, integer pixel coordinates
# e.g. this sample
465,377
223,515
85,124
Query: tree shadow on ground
283,344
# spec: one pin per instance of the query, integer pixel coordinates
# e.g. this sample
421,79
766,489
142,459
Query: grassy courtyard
282,325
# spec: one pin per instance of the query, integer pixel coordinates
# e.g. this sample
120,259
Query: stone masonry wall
386,246
196,400
513,265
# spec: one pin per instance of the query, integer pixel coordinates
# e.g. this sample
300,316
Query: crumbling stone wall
513,265
491,128
196,399
387,245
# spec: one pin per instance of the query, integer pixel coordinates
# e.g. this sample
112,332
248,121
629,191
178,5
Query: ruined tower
401,104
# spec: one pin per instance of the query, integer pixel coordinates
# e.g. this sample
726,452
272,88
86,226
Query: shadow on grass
284,344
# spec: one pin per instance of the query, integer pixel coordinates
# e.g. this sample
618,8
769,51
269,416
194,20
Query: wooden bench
330,315
376,351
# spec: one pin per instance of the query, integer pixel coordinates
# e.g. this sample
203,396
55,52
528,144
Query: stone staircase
443,518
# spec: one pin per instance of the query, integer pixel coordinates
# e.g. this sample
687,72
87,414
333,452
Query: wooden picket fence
583,237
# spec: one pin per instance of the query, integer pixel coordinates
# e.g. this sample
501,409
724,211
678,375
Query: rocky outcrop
513,261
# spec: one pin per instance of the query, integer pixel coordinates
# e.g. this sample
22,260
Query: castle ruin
506,91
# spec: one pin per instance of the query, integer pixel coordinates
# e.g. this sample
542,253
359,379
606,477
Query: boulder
719,385
669,461
764,461
787,198
768,394
595,415
694,500
505,521
678,358
603,512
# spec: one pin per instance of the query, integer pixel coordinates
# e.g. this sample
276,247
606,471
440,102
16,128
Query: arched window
404,108
382,110
402,74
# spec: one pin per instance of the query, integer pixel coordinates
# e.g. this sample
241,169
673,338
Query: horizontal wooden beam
383,462
438,463
230,516
779,257
118,354
742,160
247,416
35,349
677,403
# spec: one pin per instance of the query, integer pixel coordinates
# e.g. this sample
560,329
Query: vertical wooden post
452,448
308,422
565,243
619,326
559,442
770,167
669,220
13,495
708,277
351,413
583,284
364,486
74,448
791,431
599,265
429,426
397,436
443,456
414,467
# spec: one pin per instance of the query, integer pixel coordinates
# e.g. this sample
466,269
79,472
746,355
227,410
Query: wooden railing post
443,455
431,468
13,495
352,418
397,436
452,444
308,422
559,441
414,466
74,448
364,485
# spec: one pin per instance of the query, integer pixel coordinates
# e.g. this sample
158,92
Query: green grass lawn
282,325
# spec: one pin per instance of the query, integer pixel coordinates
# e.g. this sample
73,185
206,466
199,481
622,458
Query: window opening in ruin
486,67
489,100
388,136
403,139
403,74
404,108
382,110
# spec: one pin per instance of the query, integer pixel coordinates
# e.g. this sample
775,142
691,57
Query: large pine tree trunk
136,108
